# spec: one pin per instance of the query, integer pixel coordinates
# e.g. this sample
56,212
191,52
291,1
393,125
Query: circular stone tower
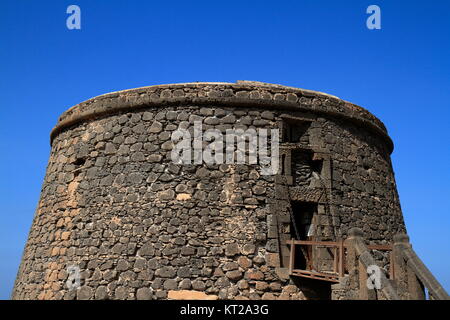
118,218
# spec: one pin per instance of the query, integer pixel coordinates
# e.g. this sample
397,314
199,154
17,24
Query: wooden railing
338,260
339,266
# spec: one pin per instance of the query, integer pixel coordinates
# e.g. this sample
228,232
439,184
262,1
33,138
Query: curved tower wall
138,226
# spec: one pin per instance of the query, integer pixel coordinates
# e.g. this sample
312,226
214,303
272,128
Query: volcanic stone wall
138,226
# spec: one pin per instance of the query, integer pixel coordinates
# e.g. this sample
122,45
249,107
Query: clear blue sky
401,73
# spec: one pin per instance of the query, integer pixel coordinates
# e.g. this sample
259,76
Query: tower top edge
242,93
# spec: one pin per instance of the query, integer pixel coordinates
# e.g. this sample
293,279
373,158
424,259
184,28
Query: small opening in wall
295,131
317,165
366,165
314,289
304,169
79,161
303,213
302,228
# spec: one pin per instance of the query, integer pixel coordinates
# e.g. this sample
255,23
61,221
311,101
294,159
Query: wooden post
391,266
336,261
341,258
292,257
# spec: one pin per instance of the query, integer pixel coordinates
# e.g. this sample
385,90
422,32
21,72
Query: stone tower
135,225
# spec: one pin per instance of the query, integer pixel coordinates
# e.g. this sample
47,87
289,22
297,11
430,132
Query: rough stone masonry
138,226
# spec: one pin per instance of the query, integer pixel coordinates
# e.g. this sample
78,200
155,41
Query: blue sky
401,73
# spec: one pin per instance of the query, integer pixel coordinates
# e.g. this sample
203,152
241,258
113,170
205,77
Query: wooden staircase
406,279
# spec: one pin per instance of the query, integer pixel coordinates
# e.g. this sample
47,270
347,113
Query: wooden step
332,277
